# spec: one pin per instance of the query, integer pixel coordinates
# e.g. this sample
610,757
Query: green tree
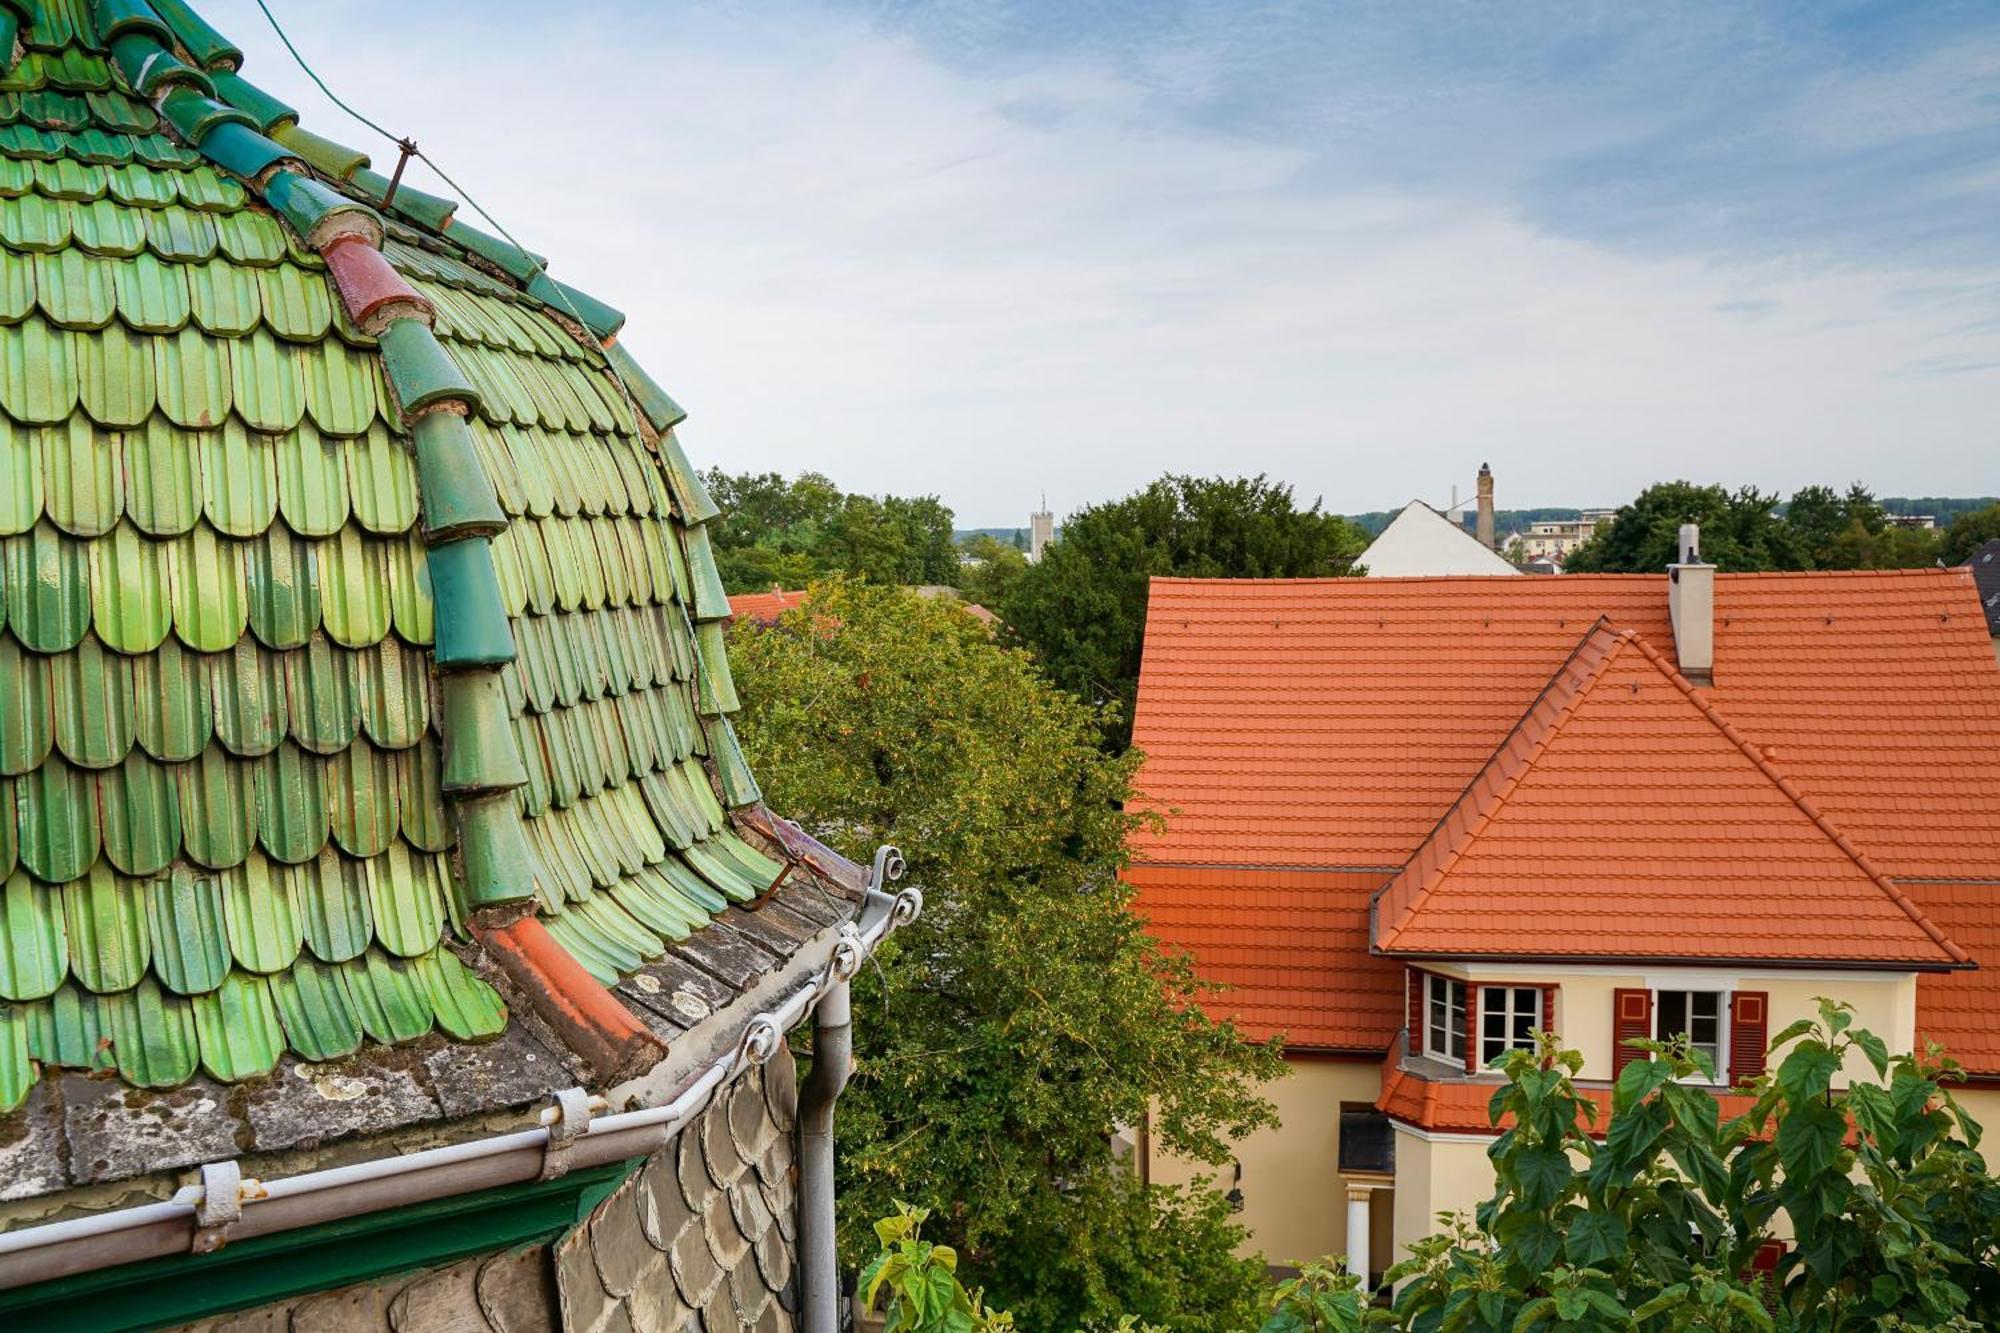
1027,1013
1082,608
1739,531
1968,532
994,567
775,531
1894,1219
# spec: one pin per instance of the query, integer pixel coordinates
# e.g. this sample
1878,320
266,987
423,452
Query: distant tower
1041,529
1485,529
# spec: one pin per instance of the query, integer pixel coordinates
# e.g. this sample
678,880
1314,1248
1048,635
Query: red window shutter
1416,989
1473,992
1631,1016
1549,1008
1749,1034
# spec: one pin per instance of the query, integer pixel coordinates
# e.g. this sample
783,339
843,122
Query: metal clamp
909,906
844,961
567,1121
759,1042
220,1206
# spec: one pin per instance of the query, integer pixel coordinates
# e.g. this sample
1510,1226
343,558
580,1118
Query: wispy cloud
988,249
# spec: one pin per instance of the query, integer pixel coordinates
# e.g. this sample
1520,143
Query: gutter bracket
220,1208
567,1121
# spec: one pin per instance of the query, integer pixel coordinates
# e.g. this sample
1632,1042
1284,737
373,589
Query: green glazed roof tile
17,291
170,704
180,234
260,915
74,289
33,222
321,693
292,823
211,600
139,814
162,479
192,381
466,1007
27,716
342,389
283,585
68,179
406,899
184,916
218,801
297,306
56,820
129,599
34,951
252,238
237,1028
210,49
388,997
420,798
117,112
361,795
248,690
247,97
104,915
37,373
140,186
267,381
67,1029
104,227
409,588
312,483
152,294
382,480
85,490
332,893
93,705
319,1018
394,694
115,378
354,588
224,297
152,1034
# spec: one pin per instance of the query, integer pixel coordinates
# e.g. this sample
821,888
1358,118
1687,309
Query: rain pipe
833,1058
571,1134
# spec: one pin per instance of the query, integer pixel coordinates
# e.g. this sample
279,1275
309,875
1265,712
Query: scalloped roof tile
224,835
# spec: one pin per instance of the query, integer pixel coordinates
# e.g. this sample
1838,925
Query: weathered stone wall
702,1239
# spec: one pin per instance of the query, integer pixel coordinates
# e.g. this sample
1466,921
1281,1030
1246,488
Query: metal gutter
570,1134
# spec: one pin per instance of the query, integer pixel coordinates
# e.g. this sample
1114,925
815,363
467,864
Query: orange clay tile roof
1313,982
1332,722
1961,1010
1625,818
1458,1107
763,607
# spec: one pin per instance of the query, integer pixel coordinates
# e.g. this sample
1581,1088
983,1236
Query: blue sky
993,249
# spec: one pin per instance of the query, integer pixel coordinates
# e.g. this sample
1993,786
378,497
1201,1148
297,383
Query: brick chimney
1691,604
1484,530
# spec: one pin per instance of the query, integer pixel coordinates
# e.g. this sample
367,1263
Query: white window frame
1722,996
1438,990
1510,992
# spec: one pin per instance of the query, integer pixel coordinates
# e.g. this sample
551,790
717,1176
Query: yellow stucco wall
1436,1175
1983,1105
1294,1198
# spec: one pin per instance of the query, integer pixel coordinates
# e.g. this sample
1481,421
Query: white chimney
1691,604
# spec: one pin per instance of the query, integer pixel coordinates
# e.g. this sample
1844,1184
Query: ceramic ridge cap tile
372,291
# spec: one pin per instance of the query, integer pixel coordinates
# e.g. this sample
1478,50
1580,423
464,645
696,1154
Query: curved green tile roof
242,580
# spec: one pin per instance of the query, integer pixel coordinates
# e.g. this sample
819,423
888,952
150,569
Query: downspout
833,1059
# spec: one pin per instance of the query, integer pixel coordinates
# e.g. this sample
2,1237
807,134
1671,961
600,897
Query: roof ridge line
1805,804
1564,711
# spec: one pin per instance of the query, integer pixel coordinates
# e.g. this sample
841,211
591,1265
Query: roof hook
409,147
220,1207
567,1121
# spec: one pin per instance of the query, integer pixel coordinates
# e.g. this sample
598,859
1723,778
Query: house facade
1410,822
393,934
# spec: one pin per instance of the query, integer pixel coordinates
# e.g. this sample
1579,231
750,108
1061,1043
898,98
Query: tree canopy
1027,1014
1970,531
1748,530
1082,609
775,532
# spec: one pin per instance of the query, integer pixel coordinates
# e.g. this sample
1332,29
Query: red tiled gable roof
1332,722
763,607
1313,982
1625,818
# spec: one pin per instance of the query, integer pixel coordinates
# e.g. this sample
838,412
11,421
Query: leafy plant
1893,1218
1323,1298
917,1282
